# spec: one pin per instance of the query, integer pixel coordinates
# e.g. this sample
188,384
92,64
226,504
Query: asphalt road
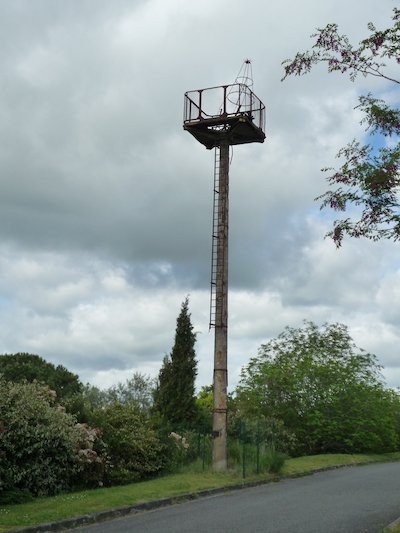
354,500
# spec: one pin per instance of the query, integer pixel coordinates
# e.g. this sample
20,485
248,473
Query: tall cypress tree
174,397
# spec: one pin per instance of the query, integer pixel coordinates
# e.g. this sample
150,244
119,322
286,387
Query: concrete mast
219,117
220,381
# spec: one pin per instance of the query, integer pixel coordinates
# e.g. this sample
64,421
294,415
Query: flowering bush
93,457
180,441
38,441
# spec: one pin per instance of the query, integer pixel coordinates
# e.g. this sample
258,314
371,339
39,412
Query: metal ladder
214,248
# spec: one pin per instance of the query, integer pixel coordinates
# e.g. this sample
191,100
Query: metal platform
231,112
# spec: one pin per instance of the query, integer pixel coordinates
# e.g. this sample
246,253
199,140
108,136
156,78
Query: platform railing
223,102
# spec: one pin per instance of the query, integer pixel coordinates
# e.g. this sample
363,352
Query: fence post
204,443
244,449
181,431
273,435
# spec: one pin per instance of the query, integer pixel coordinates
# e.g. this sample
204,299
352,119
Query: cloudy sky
106,202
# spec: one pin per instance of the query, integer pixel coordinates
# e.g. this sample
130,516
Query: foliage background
324,389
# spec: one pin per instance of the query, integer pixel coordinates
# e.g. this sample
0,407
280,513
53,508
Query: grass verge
394,529
44,510
302,464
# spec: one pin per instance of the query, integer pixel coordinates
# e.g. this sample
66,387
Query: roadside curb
119,512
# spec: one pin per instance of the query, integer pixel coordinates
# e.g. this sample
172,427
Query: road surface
353,500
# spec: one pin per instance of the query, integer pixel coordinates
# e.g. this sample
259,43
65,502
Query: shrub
14,496
38,441
134,450
271,461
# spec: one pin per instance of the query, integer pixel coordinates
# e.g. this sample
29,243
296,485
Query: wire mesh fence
252,447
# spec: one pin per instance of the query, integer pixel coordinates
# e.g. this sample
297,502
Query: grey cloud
106,203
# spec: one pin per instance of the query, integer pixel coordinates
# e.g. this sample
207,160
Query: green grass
44,510
302,464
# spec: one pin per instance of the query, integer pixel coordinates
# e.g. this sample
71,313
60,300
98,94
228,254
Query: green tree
204,401
138,390
82,404
174,396
328,392
368,177
29,367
